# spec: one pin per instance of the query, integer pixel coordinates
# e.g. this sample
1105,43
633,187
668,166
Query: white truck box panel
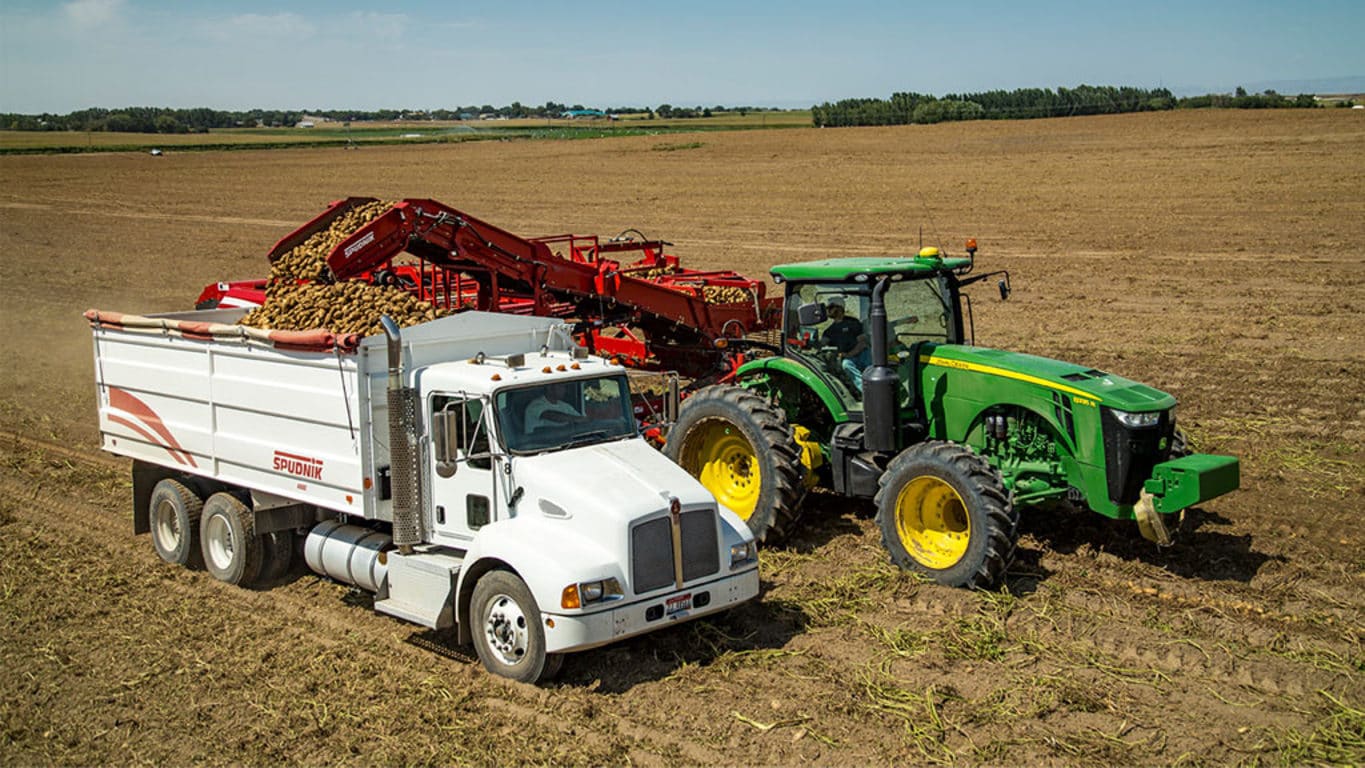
308,426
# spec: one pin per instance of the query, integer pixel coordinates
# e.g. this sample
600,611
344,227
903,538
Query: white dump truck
479,471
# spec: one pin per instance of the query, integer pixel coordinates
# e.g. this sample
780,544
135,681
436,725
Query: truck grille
651,549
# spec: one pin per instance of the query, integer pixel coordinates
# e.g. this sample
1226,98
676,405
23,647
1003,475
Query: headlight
588,592
742,553
1137,420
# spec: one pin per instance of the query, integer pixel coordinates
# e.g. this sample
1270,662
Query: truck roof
841,270
497,373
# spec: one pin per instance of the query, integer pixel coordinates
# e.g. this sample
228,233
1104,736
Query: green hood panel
1076,380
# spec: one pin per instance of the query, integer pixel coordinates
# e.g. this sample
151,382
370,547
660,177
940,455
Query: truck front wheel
174,512
742,450
507,629
944,512
231,548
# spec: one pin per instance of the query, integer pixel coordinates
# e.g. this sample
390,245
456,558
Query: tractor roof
839,270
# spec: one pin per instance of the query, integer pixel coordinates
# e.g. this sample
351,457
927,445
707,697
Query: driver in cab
846,335
551,409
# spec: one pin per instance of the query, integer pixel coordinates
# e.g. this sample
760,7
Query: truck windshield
565,413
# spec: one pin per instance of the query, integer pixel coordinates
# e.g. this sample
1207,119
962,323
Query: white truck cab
497,484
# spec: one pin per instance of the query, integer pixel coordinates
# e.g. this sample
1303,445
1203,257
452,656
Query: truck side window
473,429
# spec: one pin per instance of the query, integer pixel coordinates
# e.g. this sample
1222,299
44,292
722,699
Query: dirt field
1216,255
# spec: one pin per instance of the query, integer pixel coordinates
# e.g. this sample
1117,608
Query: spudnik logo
302,466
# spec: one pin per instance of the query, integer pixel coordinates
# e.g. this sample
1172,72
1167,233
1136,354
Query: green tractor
877,392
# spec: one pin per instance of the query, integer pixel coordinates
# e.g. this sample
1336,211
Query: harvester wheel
509,635
742,449
174,513
232,550
944,512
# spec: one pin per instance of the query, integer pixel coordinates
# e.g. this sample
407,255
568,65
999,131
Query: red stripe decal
148,435
125,401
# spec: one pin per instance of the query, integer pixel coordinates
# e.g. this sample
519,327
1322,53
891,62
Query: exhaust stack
403,467
881,384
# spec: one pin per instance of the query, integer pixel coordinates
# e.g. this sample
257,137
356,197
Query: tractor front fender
803,375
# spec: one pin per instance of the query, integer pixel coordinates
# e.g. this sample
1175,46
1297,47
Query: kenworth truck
479,471
948,438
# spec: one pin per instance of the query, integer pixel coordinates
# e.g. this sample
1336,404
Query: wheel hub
932,522
218,534
506,630
727,465
166,525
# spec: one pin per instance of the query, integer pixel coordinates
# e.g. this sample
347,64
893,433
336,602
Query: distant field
390,133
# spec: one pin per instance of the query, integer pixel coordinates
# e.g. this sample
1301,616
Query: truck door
463,489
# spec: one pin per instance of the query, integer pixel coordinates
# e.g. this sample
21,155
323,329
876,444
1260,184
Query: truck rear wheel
227,535
944,512
741,449
508,634
173,514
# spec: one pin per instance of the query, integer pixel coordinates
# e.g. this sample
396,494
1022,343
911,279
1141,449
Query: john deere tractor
878,393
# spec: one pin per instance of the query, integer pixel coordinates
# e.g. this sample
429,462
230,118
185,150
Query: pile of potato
350,307
342,308
717,295
308,260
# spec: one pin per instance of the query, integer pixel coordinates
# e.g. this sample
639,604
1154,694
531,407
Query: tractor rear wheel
742,450
944,512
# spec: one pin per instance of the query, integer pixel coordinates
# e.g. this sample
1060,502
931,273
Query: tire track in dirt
382,641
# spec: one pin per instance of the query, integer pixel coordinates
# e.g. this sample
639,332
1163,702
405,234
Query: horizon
106,54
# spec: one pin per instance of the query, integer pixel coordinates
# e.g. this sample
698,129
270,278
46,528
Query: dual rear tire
217,534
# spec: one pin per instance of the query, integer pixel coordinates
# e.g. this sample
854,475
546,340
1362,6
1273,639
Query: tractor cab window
839,346
918,310
565,413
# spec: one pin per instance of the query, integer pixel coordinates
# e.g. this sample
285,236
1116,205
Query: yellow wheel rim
726,464
932,522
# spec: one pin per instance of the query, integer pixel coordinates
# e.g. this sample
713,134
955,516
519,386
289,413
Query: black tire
228,540
1180,445
509,636
944,512
725,432
277,555
173,514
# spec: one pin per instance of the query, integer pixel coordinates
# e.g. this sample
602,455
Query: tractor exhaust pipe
881,384
404,478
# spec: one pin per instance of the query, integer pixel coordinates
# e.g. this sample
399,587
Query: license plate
676,605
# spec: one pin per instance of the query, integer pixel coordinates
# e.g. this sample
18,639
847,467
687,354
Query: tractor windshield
565,414
840,346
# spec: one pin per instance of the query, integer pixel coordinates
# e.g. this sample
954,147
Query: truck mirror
445,426
1004,290
811,314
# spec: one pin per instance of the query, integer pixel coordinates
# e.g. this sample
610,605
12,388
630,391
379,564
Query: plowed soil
1216,255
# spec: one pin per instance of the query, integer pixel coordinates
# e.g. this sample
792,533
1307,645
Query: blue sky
61,56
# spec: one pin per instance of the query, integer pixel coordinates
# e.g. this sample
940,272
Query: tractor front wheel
944,512
742,449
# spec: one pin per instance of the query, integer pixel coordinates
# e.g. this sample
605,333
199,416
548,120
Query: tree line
1026,103
202,119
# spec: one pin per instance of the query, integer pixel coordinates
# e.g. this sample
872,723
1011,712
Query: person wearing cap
846,335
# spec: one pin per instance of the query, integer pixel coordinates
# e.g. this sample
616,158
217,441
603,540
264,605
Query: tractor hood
615,483
1104,388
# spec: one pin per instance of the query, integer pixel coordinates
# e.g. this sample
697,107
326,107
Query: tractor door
827,332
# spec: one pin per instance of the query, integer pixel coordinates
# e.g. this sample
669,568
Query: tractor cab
830,321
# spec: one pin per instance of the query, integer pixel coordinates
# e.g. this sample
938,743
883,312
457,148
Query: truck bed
305,425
